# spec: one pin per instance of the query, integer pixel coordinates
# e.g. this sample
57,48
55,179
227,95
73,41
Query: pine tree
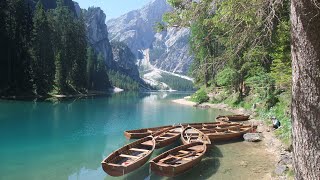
91,60
3,46
59,74
42,52
305,52
78,50
101,74
60,24
19,28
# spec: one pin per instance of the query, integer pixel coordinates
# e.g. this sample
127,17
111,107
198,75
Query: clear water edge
68,140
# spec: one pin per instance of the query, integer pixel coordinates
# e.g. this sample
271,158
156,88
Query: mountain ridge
169,50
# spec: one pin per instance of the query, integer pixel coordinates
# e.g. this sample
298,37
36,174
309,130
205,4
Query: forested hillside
45,52
242,52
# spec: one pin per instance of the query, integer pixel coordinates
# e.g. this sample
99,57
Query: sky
113,8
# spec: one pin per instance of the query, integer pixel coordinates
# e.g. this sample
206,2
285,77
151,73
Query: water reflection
69,138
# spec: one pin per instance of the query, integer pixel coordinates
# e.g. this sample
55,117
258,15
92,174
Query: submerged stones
252,137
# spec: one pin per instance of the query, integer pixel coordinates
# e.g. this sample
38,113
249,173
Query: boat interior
129,154
181,156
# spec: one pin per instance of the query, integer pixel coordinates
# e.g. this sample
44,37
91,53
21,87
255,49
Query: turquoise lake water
69,139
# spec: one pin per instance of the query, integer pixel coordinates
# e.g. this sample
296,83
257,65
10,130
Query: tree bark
305,18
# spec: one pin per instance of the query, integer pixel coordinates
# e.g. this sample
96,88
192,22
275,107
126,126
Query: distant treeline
44,52
122,81
177,83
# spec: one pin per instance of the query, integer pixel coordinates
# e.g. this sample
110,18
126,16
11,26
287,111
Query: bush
200,96
226,77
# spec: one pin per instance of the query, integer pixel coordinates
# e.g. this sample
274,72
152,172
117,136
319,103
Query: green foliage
16,28
91,61
200,96
244,46
177,83
42,53
45,52
226,77
281,65
159,27
122,81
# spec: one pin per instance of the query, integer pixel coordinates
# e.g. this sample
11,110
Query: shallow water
68,139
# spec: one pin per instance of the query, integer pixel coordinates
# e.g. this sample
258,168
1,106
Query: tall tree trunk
305,20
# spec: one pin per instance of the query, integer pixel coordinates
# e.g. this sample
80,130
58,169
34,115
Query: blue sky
113,8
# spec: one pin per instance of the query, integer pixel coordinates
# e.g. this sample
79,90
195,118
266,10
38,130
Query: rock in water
252,137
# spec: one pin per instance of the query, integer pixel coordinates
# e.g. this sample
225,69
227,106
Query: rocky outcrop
252,137
167,50
170,51
77,9
124,60
97,33
118,56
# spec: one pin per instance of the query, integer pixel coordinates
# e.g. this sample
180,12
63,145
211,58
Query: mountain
97,33
124,60
119,58
167,51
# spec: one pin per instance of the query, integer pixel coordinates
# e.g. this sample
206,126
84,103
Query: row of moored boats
195,137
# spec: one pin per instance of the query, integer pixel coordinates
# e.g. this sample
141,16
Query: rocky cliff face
168,50
97,33
118,56
125,60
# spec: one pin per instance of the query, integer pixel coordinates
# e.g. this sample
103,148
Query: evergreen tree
91,61
78,73
102,81
19,28
59,74
42,52
3,46
61,22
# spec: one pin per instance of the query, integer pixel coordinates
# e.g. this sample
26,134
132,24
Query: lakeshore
270,144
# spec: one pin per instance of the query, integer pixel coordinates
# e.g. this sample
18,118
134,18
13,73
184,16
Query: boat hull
205,139
117,164
233,118
141,133
220,136
174,170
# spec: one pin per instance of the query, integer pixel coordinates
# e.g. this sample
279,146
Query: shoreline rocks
252,137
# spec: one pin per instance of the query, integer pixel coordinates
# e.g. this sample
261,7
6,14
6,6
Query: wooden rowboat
238,117
129,157
229,134
167,136
178,160
201,124
141,133
190,134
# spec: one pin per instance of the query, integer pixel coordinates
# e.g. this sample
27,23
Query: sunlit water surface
68,139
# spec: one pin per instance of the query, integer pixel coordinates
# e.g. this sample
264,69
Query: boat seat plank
128,156
112,164
187,159
172,133
147,143
196,148
140,150
184,152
